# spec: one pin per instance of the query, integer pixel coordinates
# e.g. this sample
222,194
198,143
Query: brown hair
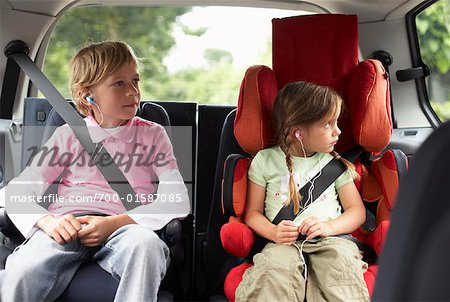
302,103
95,62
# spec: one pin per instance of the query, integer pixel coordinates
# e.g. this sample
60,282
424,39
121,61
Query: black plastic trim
228,181
11,78
412,73
16,46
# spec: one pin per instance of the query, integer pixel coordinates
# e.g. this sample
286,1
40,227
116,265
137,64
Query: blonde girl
305,119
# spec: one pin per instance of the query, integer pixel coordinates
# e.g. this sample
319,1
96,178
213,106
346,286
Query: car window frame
417,61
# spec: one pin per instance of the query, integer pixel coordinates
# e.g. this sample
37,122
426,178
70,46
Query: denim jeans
40,269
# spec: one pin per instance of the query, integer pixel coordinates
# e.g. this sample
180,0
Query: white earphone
90,100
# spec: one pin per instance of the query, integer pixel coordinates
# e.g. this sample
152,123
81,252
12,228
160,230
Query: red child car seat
322,49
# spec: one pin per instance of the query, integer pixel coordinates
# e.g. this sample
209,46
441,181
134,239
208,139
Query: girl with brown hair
305,117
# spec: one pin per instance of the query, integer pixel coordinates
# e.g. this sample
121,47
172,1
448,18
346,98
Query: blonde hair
95,62
302,103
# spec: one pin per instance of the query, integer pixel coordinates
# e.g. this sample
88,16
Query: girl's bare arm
285,232
354,216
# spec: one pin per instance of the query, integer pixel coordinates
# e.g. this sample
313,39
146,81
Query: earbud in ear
298,134
90,99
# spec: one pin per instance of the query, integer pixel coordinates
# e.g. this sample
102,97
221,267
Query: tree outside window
433,28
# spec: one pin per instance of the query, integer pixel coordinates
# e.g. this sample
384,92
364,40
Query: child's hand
285,232
63,229
313,227
96,230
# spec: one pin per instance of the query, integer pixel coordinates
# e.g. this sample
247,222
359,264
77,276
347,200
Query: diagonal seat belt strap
59,103
78,125
329,174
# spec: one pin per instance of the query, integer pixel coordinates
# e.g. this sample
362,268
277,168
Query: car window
188,53
433,28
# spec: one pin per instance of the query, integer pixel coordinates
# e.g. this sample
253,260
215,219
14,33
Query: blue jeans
40,269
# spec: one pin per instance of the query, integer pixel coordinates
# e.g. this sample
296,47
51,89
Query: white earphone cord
101,114
311,181
306,205
300,251
96,153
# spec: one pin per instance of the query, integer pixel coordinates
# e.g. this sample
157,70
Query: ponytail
350,166
293,194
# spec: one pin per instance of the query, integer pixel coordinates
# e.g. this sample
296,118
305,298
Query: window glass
188,53
433,28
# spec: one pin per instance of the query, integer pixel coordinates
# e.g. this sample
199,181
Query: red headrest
252,126
369,107
322,49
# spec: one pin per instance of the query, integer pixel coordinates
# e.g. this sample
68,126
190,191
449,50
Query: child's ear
297,132
83,94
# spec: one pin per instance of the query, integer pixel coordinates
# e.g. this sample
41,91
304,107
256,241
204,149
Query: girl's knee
276,257
342,255
349,252
339,244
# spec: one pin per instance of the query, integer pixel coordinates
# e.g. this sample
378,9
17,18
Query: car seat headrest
252,125
322,49
369,108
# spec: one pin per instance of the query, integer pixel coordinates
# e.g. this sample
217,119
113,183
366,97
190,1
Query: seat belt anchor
16,46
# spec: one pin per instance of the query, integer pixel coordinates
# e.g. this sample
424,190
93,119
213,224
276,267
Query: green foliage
216,57
219,85
193,32
433,32
433,27
147,29
442,110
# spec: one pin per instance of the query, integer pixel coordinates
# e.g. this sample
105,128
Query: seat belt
330,173
9,87
332,170
78,125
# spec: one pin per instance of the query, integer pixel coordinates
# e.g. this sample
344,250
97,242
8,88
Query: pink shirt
141,150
